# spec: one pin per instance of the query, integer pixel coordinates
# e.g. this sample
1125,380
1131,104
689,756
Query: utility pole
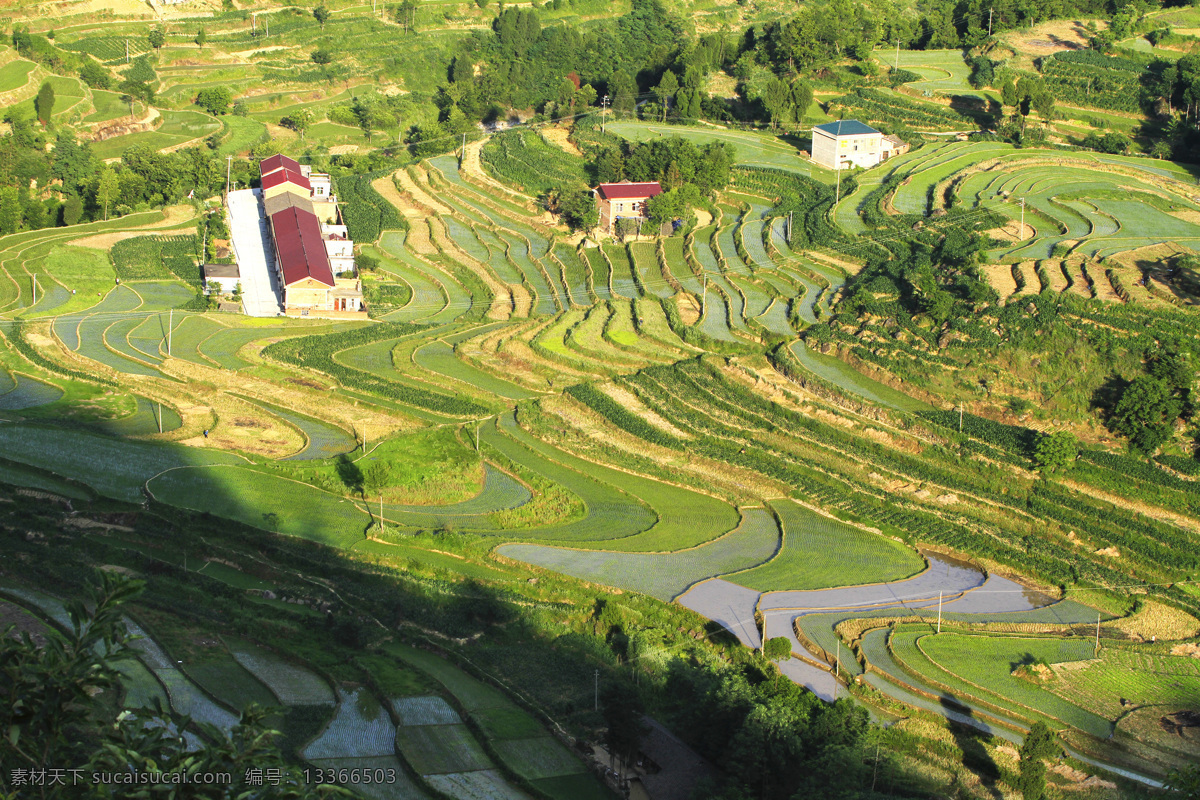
170,328
837,166
603,109
477,427
597,702
381,510
126,51
462,153
939,612
990,21
160,417
897,55
1097,631
267,27
34,289
960,416
1021,237
228,170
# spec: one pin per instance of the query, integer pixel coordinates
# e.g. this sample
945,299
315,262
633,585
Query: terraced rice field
664,575
691,469
861,557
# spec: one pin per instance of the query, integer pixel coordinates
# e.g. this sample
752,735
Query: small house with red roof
624,200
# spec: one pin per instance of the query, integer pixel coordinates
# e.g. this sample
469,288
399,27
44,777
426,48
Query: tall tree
10,209
321,13
201,37
406,15
44,103
1039,744
622,92
157,37
665,91
106,190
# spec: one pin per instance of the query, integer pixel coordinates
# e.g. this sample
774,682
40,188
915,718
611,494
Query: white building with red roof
312,254
624,200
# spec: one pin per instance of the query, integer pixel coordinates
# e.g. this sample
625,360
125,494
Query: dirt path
502,296
422,200
173,215
418,232
472,166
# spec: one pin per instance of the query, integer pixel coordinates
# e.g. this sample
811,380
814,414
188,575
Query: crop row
366,213
876,106
317,353
523,158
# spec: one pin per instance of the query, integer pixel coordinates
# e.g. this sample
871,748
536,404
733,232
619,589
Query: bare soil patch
633,405
689,307
1001,278
560,137
422,200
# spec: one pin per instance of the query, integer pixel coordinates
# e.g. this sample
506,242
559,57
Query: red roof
627,191
281,176
299,246
269,165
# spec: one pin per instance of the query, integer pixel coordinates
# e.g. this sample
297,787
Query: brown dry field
1001,278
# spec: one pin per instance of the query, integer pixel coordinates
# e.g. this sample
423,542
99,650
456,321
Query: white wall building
849,143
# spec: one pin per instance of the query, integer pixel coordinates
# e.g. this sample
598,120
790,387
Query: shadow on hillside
971,741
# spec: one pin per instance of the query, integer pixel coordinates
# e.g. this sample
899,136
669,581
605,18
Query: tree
406,15
777,648
106,191
321,57
665,91
46,692
1146,413
1040,743
579,210
94,75
1008,94
298,121
215,100
10,209
1185,781
624,726
776,97
44,103
50,714
623,92
610,165
1055,451
1043,103
802,97
321,13
377,478
201,37
72,210
157,37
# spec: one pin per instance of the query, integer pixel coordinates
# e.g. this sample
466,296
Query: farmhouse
221,278
623,200
314,256
849,143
